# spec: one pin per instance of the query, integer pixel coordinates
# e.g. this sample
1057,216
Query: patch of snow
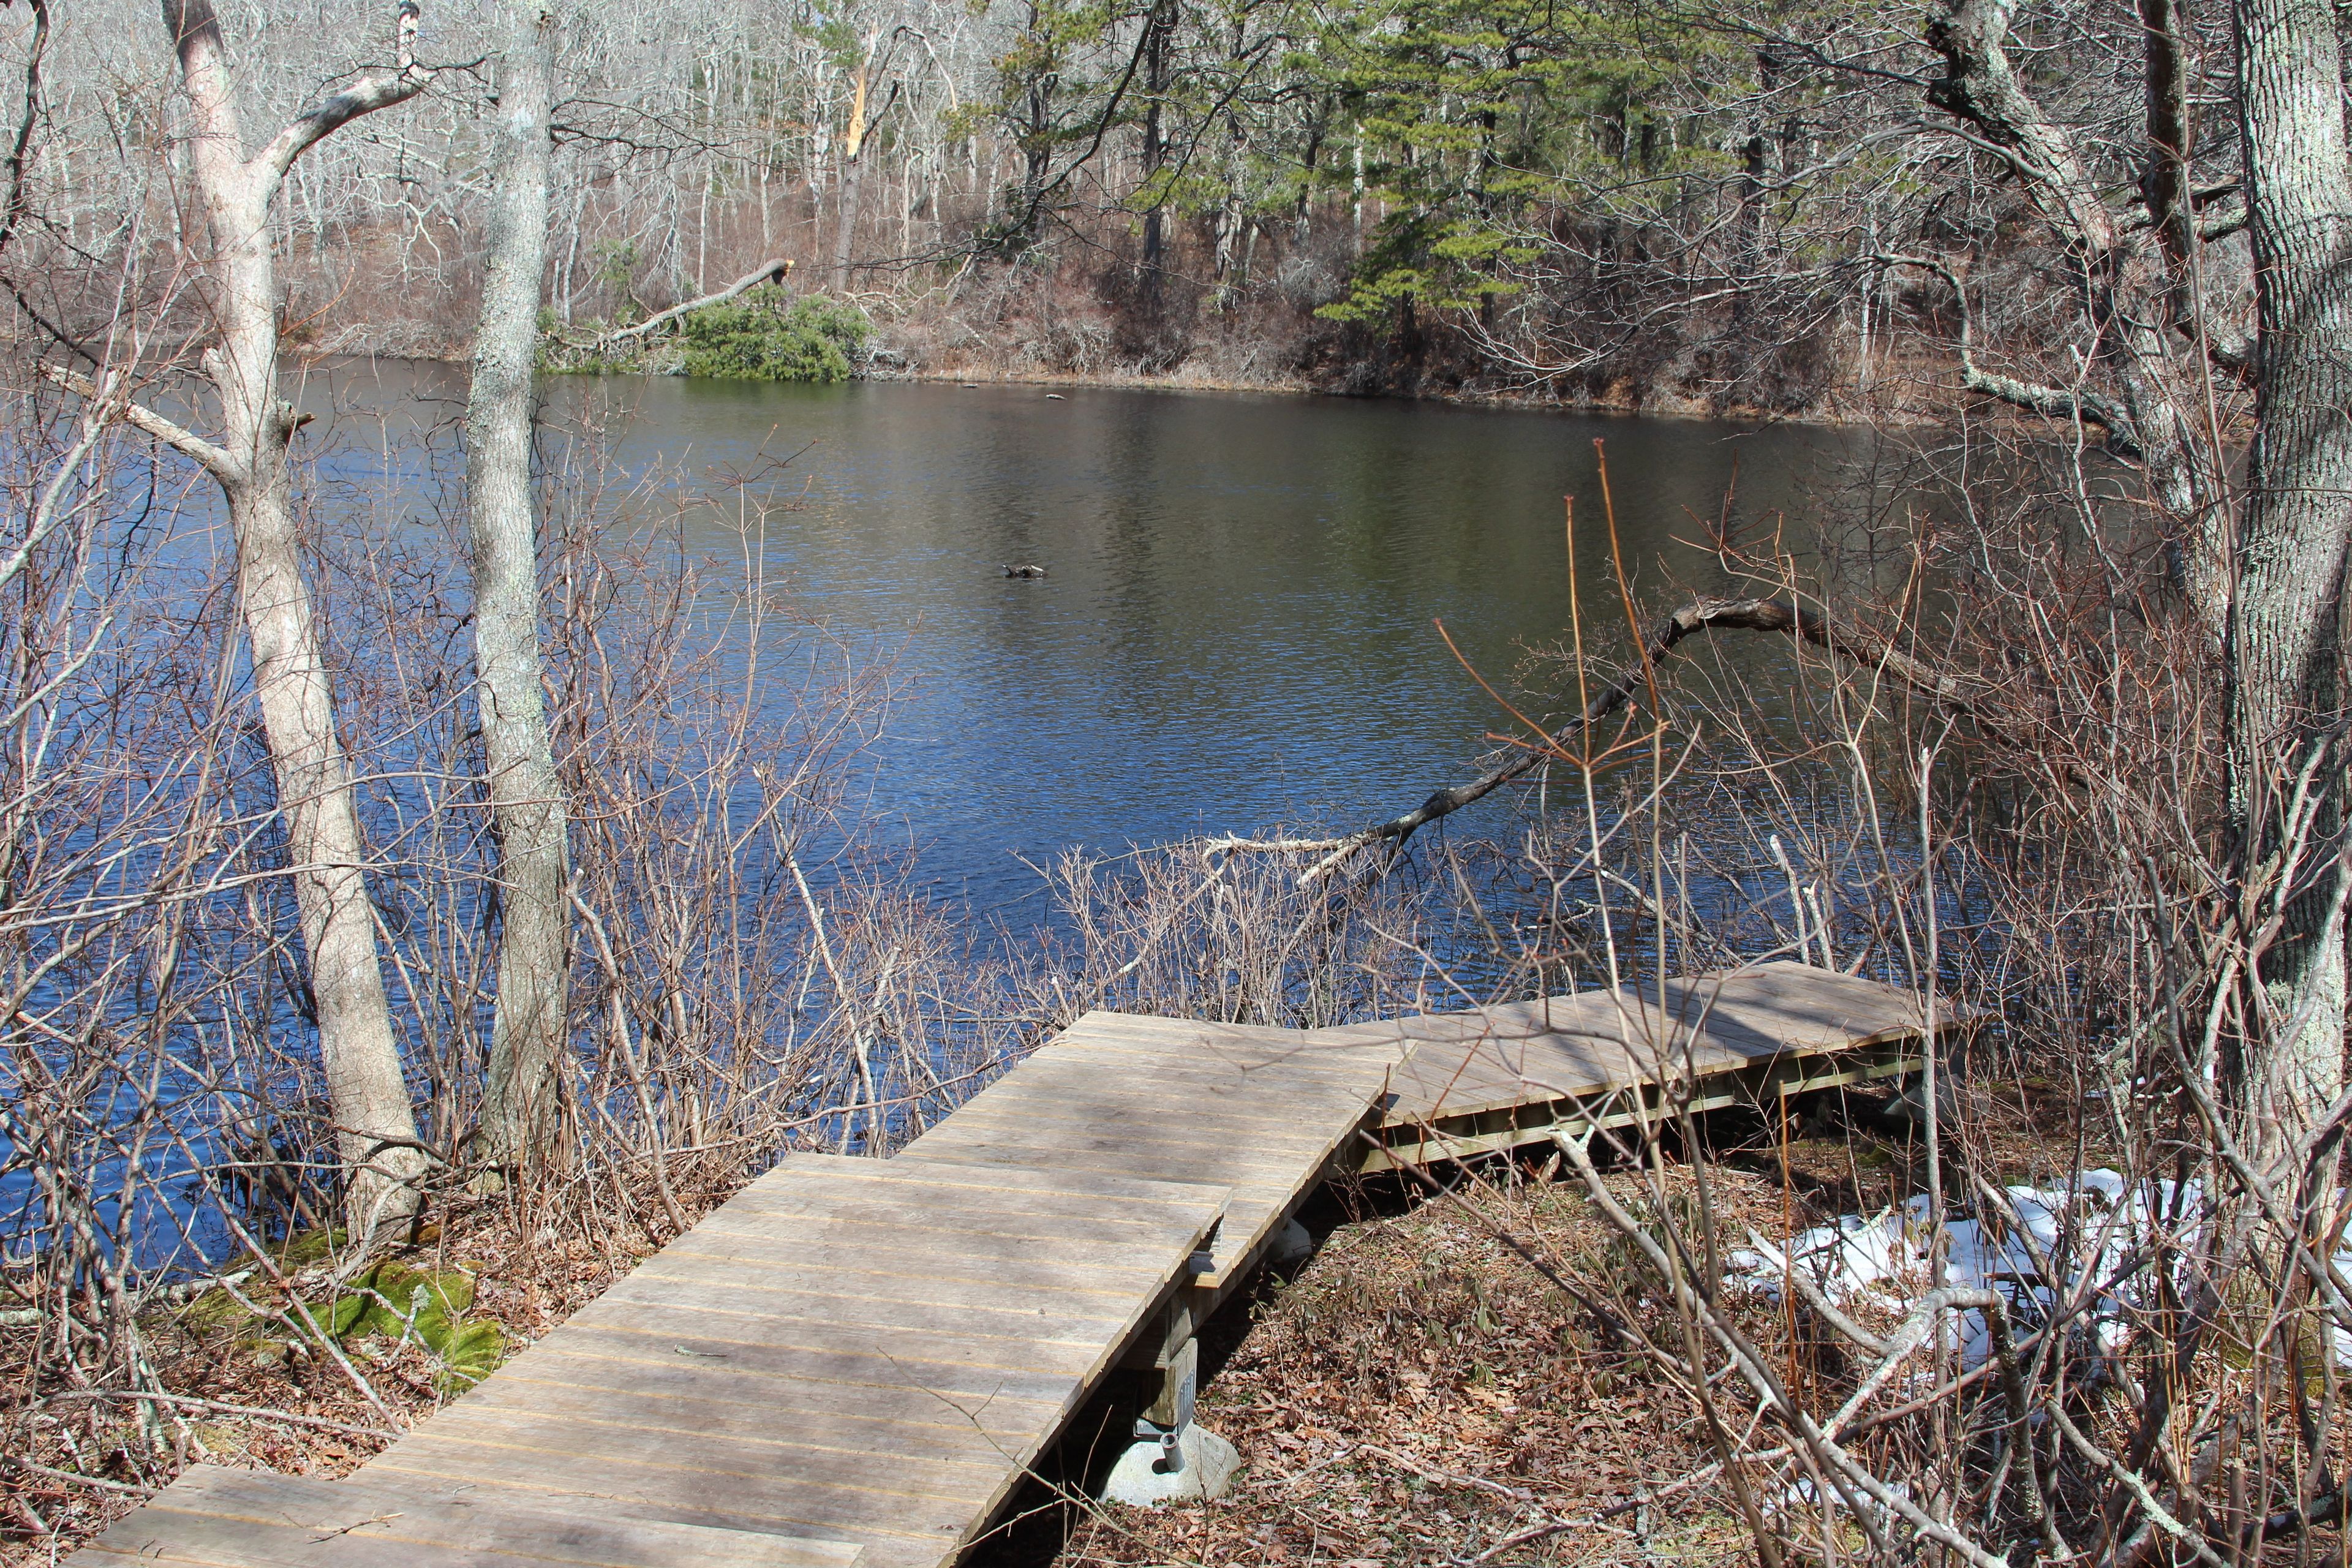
2097,1229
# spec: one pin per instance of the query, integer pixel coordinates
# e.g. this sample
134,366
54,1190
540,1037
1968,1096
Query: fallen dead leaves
1421,1397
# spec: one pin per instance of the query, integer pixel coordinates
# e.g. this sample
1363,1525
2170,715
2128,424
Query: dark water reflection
1239,627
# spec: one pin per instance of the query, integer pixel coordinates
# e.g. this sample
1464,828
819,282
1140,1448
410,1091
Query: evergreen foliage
761,338
763,335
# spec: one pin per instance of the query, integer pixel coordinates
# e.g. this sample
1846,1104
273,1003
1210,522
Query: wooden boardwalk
858,1360
1472,1083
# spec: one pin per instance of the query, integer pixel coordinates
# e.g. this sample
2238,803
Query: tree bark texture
852,175
2286,688
520,1093
367,1088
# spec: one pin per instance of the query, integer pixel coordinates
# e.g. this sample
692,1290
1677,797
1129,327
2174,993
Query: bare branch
365,95
1758,614
12,215
2221,224
187,443
50,510
2071,405
775,269
2052,401
1980,88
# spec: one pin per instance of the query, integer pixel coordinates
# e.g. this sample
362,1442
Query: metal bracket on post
1171,1411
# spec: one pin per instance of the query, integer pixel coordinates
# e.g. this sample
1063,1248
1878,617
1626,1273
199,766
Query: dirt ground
1426,1394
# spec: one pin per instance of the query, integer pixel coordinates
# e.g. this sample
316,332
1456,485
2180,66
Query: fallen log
773,270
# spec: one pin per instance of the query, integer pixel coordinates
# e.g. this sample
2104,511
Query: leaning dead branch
1786,617
775,269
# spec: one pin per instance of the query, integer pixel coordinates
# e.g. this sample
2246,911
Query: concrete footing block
1292,1246
1210,1463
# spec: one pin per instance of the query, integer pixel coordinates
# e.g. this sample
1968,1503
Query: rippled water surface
1239,624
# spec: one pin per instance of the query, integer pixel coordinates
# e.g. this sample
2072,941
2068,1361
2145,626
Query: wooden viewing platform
855,1360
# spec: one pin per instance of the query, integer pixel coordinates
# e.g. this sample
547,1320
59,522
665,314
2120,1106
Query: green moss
391,1298
214,1310
469,1353
310,1247
422,1306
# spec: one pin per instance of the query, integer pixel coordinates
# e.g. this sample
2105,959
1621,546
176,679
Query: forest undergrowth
1440,1384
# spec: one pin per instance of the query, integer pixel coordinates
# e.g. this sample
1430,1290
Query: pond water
1239,623
1238,626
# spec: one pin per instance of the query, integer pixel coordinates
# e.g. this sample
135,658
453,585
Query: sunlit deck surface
858,1360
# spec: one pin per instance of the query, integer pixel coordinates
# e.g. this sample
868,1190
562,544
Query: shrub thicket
761,338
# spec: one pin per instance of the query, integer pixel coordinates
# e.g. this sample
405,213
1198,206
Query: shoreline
1504,401
1836,415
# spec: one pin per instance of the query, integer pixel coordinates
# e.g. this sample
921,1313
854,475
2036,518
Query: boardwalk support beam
1173,1456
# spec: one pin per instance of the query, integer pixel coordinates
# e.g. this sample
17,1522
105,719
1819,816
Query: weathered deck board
883,1421
857,1359
1746,1033
222,1518
859,1438
1251,1108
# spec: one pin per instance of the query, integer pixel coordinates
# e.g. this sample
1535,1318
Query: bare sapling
527,803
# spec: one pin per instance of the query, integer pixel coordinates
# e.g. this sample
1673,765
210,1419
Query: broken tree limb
145,420
1758,614
2066,405
338,108
775,269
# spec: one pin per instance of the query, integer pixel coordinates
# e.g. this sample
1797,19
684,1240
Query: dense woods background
1640,203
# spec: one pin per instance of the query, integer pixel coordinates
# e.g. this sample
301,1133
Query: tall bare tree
2135,271
1160,31
367,1092
2286,689
2267,573
526,796
854,137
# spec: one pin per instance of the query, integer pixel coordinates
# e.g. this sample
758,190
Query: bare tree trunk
519,1100
853,181
1160,28
2128,285
853,173
368,1091
2285,692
